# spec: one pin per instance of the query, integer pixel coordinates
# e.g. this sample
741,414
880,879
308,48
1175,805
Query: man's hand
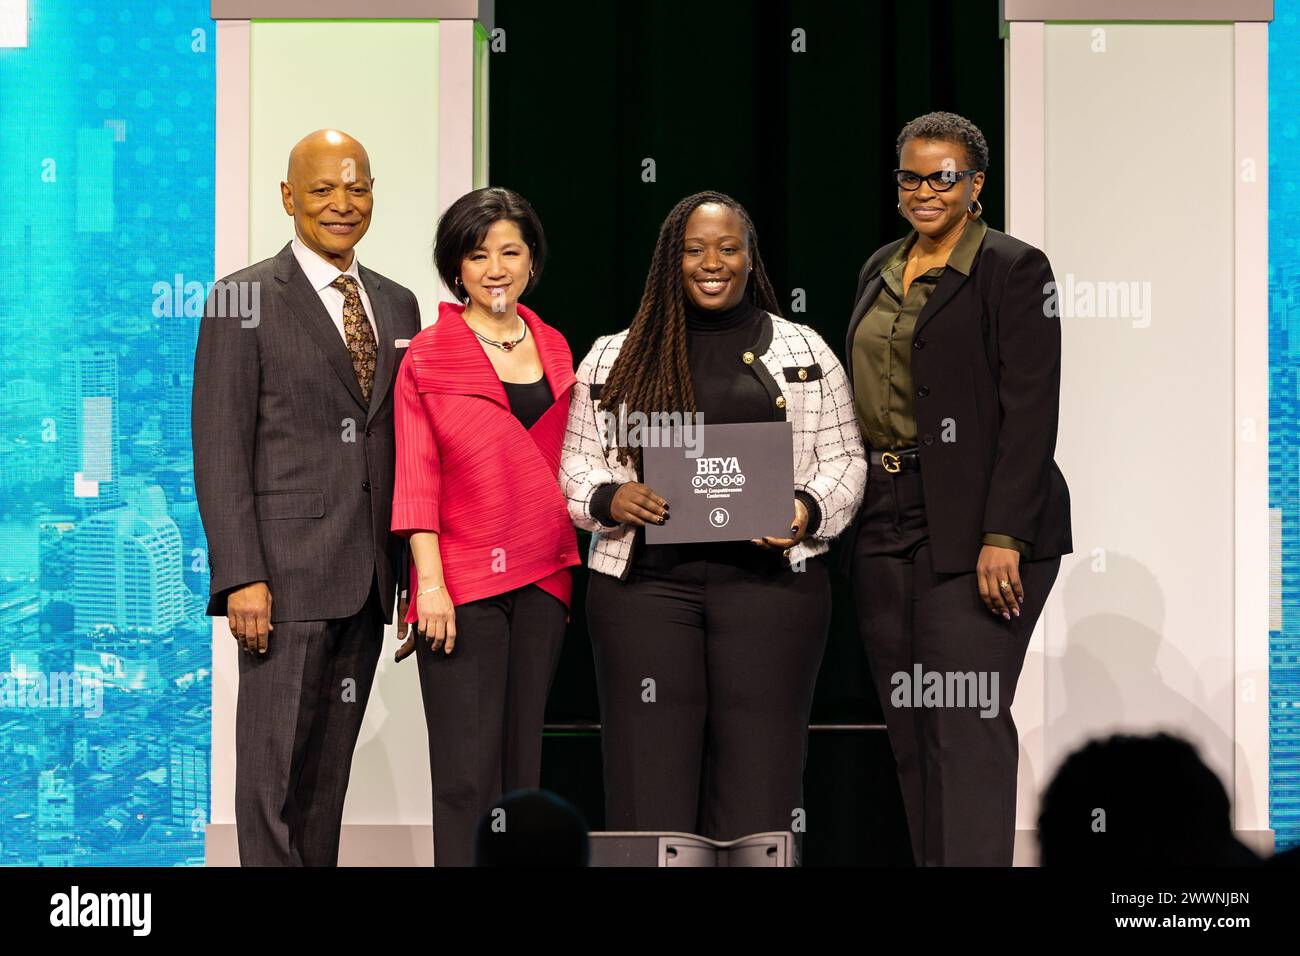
407,648
408,645
248,611
403,604
637,504
996,565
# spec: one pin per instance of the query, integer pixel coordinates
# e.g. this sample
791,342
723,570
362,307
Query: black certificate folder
728,483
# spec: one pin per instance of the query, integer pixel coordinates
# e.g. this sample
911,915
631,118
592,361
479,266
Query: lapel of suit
949,283
953,278
385,366
456,363
556,363
310,311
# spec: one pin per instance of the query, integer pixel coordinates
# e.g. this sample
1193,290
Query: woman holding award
707,653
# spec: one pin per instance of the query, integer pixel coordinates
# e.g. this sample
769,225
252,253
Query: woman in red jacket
482,398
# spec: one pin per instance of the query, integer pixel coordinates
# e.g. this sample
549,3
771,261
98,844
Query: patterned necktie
360,337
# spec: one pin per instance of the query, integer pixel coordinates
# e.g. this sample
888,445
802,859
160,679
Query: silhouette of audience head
1136,801
531,828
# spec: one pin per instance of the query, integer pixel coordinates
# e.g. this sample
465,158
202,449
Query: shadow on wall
1120,670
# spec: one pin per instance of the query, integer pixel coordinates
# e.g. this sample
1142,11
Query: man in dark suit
293,465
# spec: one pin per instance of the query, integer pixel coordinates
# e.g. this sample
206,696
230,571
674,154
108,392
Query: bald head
326,145
328,191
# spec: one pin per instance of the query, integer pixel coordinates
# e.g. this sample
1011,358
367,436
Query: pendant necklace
503,346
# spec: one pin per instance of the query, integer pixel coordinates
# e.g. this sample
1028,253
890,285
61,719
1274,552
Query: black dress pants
299,712
484,706
957,758
706,674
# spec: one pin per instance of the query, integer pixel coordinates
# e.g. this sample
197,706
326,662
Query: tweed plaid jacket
808,388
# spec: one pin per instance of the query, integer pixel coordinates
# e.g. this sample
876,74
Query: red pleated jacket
468,470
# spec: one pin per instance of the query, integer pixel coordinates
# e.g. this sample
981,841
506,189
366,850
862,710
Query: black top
529,401
726,391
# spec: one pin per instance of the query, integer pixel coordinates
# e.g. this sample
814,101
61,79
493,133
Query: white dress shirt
320,274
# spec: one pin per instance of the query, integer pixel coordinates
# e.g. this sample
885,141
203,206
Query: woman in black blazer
954,353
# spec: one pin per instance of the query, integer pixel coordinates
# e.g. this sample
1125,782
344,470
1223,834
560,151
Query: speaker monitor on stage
687,849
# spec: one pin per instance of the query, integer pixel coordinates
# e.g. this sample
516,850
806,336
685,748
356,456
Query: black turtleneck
721,319
726,389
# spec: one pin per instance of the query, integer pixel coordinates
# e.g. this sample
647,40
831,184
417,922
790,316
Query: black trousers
299,712
956,759
706,675
484,707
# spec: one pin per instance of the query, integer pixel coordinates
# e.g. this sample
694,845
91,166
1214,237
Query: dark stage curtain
715,95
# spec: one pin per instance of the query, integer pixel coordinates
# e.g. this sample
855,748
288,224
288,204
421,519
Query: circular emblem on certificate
718,517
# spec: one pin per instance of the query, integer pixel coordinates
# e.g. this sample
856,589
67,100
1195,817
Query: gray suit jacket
292,470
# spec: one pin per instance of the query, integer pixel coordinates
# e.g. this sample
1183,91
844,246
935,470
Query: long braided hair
651,373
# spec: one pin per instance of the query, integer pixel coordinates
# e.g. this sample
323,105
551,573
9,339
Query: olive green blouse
882,351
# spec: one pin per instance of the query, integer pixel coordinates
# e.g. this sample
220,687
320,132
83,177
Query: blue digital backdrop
1284,435
106,163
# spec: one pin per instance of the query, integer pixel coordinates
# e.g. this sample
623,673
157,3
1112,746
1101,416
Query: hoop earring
976,209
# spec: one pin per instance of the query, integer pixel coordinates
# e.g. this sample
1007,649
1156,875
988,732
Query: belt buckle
892,463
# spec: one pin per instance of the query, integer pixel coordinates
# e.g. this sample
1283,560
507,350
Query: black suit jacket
986,370
292,469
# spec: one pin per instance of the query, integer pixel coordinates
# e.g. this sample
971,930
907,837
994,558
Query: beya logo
718,473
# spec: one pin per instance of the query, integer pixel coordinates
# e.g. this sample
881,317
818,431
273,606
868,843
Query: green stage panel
376,80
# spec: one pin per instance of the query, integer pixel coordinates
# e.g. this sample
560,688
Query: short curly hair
950,128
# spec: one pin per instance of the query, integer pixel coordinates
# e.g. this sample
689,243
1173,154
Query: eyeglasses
940,181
